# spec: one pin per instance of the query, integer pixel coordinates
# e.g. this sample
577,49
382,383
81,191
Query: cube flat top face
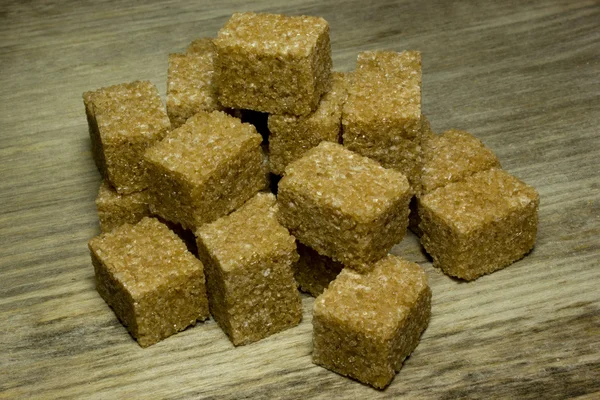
248,234
203,144
128,109
386,84
377,302
451,157
480,199
201,46
338,178
144,256
272,33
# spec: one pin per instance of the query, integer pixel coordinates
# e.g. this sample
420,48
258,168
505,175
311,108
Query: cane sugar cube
152,282
382,117
450,157
124,120
343,205
203,45
365,325
204,169
248,257
479,225
116,209
273,63
190,86
313,272
291,136
453,156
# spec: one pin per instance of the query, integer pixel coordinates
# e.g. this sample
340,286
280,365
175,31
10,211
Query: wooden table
524,76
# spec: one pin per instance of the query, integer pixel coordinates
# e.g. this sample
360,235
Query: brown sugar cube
116,209
313,272
124,120
291,136
248,257
382,117
204,169
152,282
479,225
190,86
365,325
450,157
202,46
273,63
343,205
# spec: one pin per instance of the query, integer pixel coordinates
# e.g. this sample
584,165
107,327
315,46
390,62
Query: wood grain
524,76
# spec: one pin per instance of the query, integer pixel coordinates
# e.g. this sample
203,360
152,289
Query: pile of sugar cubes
353,163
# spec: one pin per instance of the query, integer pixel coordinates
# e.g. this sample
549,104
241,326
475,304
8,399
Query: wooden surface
524,76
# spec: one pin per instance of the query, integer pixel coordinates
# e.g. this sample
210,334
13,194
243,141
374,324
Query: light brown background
521,75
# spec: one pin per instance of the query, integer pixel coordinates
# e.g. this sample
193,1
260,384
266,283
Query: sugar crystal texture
116,209
248,257
313,272
365,325
450,157
203,45
152,282
204,169
382,117
291,136
273,63
190,86
343,205
479,225
124,120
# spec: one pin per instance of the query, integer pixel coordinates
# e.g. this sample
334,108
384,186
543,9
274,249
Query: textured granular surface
190,86
382,117
248,257
479,225
273,63
450,157
313,272
124,120
202,46
365,325
344,205
148,277
116,209
204,169
291,136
